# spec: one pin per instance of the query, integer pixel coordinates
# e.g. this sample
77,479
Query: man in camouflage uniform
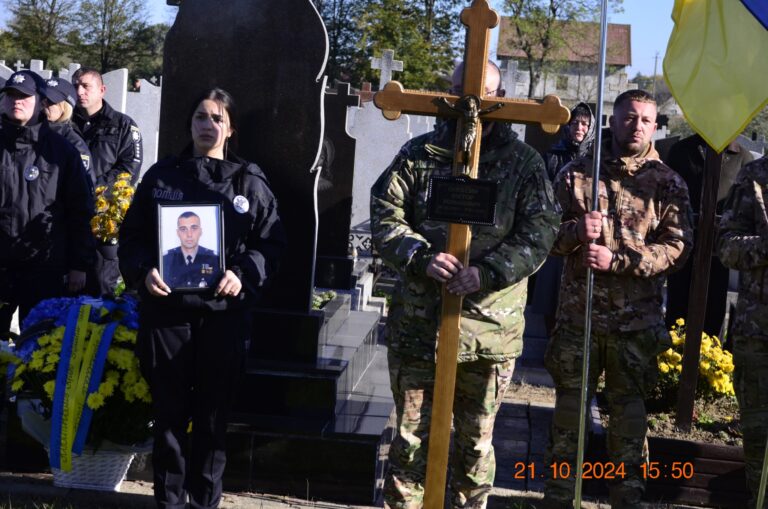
494,290
743,245
641,231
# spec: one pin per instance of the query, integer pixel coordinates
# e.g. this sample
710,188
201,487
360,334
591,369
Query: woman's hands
155,285
229,286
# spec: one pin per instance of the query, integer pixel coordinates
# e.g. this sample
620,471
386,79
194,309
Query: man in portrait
190,265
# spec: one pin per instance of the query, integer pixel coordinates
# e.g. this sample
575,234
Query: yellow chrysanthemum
95,401
679,322
49,387
120,357
664,367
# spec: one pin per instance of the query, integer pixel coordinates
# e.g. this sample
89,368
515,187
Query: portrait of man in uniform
190,265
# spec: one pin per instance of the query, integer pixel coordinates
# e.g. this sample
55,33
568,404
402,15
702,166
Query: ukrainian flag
716,65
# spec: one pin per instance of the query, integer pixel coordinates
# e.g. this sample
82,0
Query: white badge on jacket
31,173
241,203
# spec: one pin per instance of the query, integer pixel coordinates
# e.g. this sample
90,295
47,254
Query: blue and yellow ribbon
83,357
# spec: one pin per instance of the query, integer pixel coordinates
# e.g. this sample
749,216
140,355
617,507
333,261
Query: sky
650,20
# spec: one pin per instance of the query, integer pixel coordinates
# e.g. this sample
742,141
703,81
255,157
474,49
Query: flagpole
590,274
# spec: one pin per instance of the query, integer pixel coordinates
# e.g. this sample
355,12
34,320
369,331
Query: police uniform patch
31,173
52,83
241,204
136,137
86,161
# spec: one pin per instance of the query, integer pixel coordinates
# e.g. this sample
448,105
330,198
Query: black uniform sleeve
137,243
128,153
79,210
258,264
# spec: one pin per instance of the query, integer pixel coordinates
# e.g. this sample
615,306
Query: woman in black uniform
191,345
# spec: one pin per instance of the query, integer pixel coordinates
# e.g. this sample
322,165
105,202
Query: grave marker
386,64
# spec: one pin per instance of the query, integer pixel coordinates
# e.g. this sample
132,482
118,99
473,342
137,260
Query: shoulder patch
136,137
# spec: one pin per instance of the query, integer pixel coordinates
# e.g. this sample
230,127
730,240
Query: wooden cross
394,101
386,64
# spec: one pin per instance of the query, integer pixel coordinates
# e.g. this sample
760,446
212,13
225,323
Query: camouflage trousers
629,362
751,387
480,387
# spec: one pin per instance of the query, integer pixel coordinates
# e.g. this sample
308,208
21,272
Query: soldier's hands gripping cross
446,268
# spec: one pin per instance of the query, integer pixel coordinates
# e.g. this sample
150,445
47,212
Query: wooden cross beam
479,19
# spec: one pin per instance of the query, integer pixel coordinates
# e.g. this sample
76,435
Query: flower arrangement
320,299
75,356
112,203
715,365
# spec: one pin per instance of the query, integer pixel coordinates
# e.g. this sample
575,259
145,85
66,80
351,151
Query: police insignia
19,78
135,135
241,203
52,83
31,173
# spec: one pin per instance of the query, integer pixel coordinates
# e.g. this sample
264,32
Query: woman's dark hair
220,96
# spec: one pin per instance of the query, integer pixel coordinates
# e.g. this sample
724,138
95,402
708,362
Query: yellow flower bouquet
112,203
75,359
715,366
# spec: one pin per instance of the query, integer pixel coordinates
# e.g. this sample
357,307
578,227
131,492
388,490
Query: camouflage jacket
743,245
646,223
505,254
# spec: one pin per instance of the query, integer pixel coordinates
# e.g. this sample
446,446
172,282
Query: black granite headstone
314,400
334,192
270,56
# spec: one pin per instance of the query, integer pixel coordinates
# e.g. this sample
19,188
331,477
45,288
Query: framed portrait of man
191,245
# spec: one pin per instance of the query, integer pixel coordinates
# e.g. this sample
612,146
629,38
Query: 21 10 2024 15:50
605,470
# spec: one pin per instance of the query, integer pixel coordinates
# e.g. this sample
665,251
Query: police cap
57,90
26,82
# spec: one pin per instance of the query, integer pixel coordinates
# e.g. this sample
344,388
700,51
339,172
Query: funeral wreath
75,359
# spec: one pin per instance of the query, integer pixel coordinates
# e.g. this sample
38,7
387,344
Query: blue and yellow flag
716,65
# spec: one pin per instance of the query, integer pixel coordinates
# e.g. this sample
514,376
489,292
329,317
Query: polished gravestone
314,401
334,192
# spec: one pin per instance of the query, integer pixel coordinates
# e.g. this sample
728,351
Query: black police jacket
46,201
115,143
253,238
67,131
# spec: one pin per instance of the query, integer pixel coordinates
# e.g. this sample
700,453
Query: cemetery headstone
314,400
386,64
334,192
274,73
144,108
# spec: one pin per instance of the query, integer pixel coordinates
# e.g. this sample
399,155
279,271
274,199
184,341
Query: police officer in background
115,144
59,101
46,204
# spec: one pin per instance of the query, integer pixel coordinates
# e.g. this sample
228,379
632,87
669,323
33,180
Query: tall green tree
345,59
540,32
107,32
38,27
425,34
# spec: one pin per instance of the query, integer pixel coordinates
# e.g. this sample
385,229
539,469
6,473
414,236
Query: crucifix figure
469,295
469,107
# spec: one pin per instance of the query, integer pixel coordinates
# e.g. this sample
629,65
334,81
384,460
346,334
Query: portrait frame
184,228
